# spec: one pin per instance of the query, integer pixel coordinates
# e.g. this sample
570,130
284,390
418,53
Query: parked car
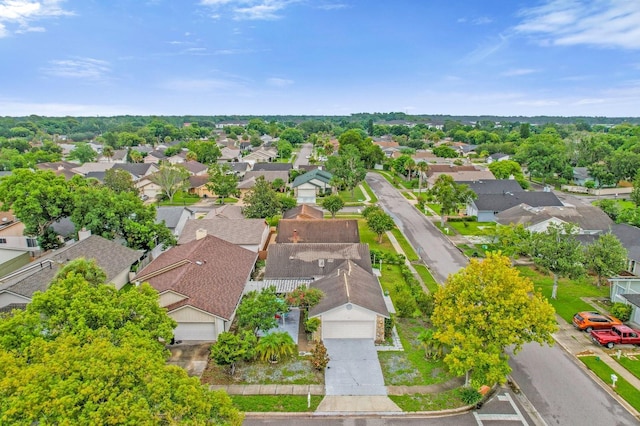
587,321
618,335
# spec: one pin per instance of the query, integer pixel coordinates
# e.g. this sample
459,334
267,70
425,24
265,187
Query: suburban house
626,289
629,237
137,170
303,211
493,186
487,206
154,157
239,168
498,156
195,168
589,219
87,168
226,211
311,184
12,234
353,305
12,259
250,234
174,218
147,188
269,176
581,176
17,288
198,186
200,284
229,155
272,167
313,260
261,155
60,168
458,173
118,156
315,231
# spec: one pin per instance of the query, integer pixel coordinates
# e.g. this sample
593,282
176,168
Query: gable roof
629,236
272,167
210,272
112,257
321,175
269,175
493,186
442,168
501,202
303,211
171,215
238,166
349,283
194,167
229,211
498,155
587,217
310,260
318,231
633,298
235,231
86,168
198,181
136,169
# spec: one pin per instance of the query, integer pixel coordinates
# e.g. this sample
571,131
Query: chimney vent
83,234
295,236
201,233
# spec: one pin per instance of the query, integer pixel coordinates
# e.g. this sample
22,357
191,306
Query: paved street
442,257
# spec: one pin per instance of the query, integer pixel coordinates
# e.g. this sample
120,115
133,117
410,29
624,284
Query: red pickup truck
618,335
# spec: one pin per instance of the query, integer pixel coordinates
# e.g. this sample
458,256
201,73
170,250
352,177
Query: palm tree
107,151
433,348
422,168
409,165
191,156
276,346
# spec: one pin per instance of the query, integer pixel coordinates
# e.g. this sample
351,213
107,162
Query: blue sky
320,57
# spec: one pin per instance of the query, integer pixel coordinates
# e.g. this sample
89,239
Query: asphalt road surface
437,252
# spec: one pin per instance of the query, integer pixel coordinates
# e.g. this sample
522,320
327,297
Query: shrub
425,303
470,396
622,311
406,306
319,356
388,327
462,219
311,325
276,346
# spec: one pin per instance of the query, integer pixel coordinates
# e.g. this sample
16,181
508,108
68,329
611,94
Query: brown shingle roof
442,168
210,272
304,260
349,284
198,181
318,231
235,231
303,211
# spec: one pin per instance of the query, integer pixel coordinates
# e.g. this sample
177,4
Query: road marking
517,417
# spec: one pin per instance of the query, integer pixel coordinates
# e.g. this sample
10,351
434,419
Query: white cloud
249,10
332,6
81,68
20,14
518,72
605,23
279,82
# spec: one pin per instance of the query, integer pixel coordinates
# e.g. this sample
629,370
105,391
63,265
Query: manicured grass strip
393,181
392,280
404,244
367,188
346,196
474,228
275,403
623,388
407,195
428,402
632,365
367,236
569,292
428,279
181,199
435,207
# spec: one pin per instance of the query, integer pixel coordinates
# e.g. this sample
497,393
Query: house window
3,241
32,242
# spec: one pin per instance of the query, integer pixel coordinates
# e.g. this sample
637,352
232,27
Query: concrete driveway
193,357
354,368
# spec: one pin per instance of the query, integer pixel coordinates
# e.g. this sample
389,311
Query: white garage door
348,330
195,331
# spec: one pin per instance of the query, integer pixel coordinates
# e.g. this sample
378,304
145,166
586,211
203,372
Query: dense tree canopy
261,201
485,308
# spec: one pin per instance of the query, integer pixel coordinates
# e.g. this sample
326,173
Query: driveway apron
353,368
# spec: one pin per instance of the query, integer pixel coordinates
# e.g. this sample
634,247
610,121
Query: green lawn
275,403
435,207
429,402
623,388
181,199
392,280
408,195
633,365
406,247
390,178
358,196
410,367
474,228
428,279
367,188
367,236
569,292
622,204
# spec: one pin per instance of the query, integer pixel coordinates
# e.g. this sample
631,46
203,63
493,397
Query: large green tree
222,182
506,169
558,251
606,256
83,153
485,308
450,195
262,200
119,180
38,198
333,204
348,167
171,179
84,353
378,221
257,310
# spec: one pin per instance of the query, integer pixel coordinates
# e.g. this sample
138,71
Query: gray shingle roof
313,260
171,215
136,169
493,186
318,231
634,299
211,272
501,202
318,174
272,167
235,231
112,257
587,217
629,236
349,283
